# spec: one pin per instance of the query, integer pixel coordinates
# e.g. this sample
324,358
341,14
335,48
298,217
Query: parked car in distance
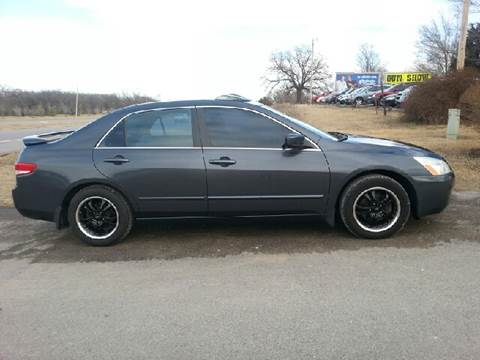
228,157
402,96
396,99
320,97
376,97
329,98
389,100
361,95
348,98
337,95
344,96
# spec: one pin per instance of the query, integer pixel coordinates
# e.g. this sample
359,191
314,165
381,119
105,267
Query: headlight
433,166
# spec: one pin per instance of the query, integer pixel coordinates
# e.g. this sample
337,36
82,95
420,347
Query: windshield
301,124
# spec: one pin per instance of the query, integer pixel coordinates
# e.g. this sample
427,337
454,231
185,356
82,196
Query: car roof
186,103
231,99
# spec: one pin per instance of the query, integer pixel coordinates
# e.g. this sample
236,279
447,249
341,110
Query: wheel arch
61,219
402,179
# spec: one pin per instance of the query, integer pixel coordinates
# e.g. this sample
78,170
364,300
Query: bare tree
368,59
437,47
293,70
458,4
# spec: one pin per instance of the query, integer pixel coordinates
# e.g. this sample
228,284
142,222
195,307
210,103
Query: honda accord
222,157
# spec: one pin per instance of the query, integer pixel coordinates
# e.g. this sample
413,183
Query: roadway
243,290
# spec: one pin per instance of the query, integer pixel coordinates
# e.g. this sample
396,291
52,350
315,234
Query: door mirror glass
294,141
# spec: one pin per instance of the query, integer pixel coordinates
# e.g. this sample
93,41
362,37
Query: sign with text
400,78
344,80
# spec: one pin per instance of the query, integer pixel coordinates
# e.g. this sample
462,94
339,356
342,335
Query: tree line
17,102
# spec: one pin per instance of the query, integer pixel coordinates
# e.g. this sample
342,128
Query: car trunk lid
45,138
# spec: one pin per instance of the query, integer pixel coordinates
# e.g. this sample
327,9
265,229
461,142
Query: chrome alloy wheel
376,209
97,217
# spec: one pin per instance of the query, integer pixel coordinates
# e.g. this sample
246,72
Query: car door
155,156
248,171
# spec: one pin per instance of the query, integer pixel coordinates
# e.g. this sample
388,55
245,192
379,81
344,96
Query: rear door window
164,128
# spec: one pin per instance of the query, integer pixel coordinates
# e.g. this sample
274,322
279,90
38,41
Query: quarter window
164,128
241,128
116,137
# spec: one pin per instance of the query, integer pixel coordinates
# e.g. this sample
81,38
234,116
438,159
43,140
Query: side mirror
294,141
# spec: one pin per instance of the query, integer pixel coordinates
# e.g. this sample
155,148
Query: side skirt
229,217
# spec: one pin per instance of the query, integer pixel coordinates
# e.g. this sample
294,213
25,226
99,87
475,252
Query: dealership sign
344,80
400,78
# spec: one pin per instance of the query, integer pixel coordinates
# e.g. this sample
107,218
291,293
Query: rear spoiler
45,138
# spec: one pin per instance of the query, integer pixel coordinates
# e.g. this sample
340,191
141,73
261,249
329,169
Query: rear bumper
433,193
23,203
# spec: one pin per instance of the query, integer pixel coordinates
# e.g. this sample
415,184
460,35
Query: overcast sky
194,49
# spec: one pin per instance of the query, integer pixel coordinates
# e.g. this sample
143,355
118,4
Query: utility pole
463,36
76,104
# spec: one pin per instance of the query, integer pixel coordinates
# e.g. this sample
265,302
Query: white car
403,95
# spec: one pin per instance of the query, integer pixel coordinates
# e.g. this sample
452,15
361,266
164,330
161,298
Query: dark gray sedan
213,158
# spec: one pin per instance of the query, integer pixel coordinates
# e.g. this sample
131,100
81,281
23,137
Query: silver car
361,95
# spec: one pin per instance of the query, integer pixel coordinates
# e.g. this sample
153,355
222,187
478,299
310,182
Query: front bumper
432,193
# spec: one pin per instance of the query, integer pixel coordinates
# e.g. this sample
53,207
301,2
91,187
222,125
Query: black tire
374,207
111,226
359,101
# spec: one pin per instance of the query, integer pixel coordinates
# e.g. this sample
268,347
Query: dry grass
35,122
7,178
463,154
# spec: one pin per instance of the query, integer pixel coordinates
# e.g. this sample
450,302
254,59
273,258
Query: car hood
393,145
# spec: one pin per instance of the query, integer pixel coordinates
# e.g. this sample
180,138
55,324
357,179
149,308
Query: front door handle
224,161
117,160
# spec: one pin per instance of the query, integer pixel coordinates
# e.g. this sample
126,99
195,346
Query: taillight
24,168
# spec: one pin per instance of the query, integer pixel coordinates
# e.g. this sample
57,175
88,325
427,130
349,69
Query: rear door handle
117,160
224,161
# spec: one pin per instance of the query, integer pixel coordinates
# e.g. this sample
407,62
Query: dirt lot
7,178
463,154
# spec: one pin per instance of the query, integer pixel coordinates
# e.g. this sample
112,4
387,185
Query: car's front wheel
374,207
99,215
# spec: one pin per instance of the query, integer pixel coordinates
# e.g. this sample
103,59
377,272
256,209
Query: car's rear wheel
374,207
99,215
359,101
